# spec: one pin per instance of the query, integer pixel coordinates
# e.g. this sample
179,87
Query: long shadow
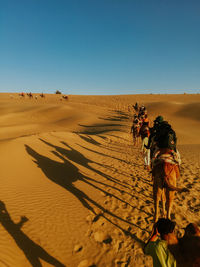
116,197
75,156
32,251
102,154
97,132
62,174
94,151
99,125
89,139
88,180
79,158
118,116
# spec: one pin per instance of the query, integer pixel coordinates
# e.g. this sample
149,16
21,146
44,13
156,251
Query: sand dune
73,185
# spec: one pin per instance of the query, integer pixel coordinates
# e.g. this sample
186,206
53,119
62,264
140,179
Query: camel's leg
169,203
163,202
170,194
157,193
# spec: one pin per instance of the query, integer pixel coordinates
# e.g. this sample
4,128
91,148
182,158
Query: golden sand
62,162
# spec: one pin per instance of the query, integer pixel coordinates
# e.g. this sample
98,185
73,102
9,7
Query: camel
65,97
135,129
22,94
30,95
165,173
42,95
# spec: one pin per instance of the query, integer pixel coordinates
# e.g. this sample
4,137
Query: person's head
192,230
158,120
165,226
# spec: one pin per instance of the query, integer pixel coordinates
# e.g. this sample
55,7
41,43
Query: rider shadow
118,116
63,173
32,251
88,139
76,156
104,155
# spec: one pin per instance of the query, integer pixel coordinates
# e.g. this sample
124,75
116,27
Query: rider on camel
154,130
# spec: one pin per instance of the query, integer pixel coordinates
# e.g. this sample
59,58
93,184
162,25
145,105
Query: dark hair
165,226
191,229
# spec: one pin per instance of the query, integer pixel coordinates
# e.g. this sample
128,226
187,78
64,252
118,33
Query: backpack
166,137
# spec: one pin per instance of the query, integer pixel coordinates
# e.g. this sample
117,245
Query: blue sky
100,46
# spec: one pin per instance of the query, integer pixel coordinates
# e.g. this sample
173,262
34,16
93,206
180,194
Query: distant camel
21,94
135,130
65,97
42,95
30,95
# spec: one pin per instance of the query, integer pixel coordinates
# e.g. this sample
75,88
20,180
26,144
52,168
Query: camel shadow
62,173
32,251
65,174
118,116
74,155
77,157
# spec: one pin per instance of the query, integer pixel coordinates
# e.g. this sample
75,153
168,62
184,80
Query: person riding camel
166,136
151,144
135,128
142,108
164,150
136,107
135,123
144,130
146,119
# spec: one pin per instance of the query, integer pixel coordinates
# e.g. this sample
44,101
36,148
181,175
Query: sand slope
70,168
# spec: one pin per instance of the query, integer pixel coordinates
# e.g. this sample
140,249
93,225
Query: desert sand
74,191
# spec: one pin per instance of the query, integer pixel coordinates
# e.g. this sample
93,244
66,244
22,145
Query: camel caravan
42,95
162,160
30,95
161,157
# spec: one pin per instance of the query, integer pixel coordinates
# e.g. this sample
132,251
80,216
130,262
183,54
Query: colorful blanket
170,157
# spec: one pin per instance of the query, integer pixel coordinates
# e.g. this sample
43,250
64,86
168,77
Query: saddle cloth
166,155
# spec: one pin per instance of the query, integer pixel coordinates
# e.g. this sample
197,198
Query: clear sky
100,46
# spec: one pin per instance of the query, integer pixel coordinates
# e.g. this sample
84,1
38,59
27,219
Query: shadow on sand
32,251
65,174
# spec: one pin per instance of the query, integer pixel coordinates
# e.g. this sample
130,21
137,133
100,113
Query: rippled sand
70,168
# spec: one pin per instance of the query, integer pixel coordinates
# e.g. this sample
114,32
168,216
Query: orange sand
63,161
